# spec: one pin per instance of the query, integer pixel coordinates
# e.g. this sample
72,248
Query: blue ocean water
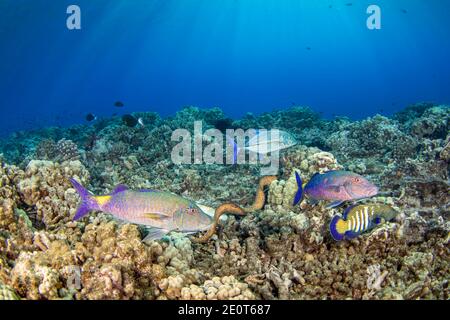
240,55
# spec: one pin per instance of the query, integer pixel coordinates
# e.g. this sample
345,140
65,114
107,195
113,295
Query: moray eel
232,208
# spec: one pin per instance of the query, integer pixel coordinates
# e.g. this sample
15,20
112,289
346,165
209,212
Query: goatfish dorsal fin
119,188
148,190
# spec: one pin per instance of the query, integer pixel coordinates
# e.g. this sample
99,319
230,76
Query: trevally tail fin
299,195
87,200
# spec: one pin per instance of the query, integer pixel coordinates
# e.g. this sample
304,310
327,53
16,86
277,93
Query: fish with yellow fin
358,219
160,212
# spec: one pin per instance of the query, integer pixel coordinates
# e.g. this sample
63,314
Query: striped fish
358,219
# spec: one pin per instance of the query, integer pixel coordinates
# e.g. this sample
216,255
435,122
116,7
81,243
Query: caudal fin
299,195
87,200
337,228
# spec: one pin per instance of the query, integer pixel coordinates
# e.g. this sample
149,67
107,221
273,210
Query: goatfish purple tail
299,195
88,202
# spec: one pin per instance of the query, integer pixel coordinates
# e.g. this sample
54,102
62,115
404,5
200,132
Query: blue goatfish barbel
358,219
160,211
337,186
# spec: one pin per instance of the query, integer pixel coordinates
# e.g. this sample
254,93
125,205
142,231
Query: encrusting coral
274,250
46,187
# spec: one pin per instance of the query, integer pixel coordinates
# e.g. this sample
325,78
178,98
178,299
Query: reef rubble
278,252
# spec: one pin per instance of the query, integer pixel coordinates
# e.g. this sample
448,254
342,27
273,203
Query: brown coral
46,186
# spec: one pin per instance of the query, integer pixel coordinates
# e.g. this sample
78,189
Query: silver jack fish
161,212
274,140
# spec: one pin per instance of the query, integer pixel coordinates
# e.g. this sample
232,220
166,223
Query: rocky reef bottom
279,252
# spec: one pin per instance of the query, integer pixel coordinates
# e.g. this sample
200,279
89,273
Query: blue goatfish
337,186
161,212
358,219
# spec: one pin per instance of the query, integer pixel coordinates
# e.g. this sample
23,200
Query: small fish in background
263,144
90,117
90,142
349,4
160,212
308,48
404,11
119,104
130,120
336,186
223,124
358,219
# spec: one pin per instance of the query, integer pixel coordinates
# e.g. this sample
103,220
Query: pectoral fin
155,216
155,234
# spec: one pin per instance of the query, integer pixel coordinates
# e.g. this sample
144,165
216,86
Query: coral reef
273,251
225,288
46,187
378,138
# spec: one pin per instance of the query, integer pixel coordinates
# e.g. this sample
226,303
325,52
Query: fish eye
357,180
191,210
